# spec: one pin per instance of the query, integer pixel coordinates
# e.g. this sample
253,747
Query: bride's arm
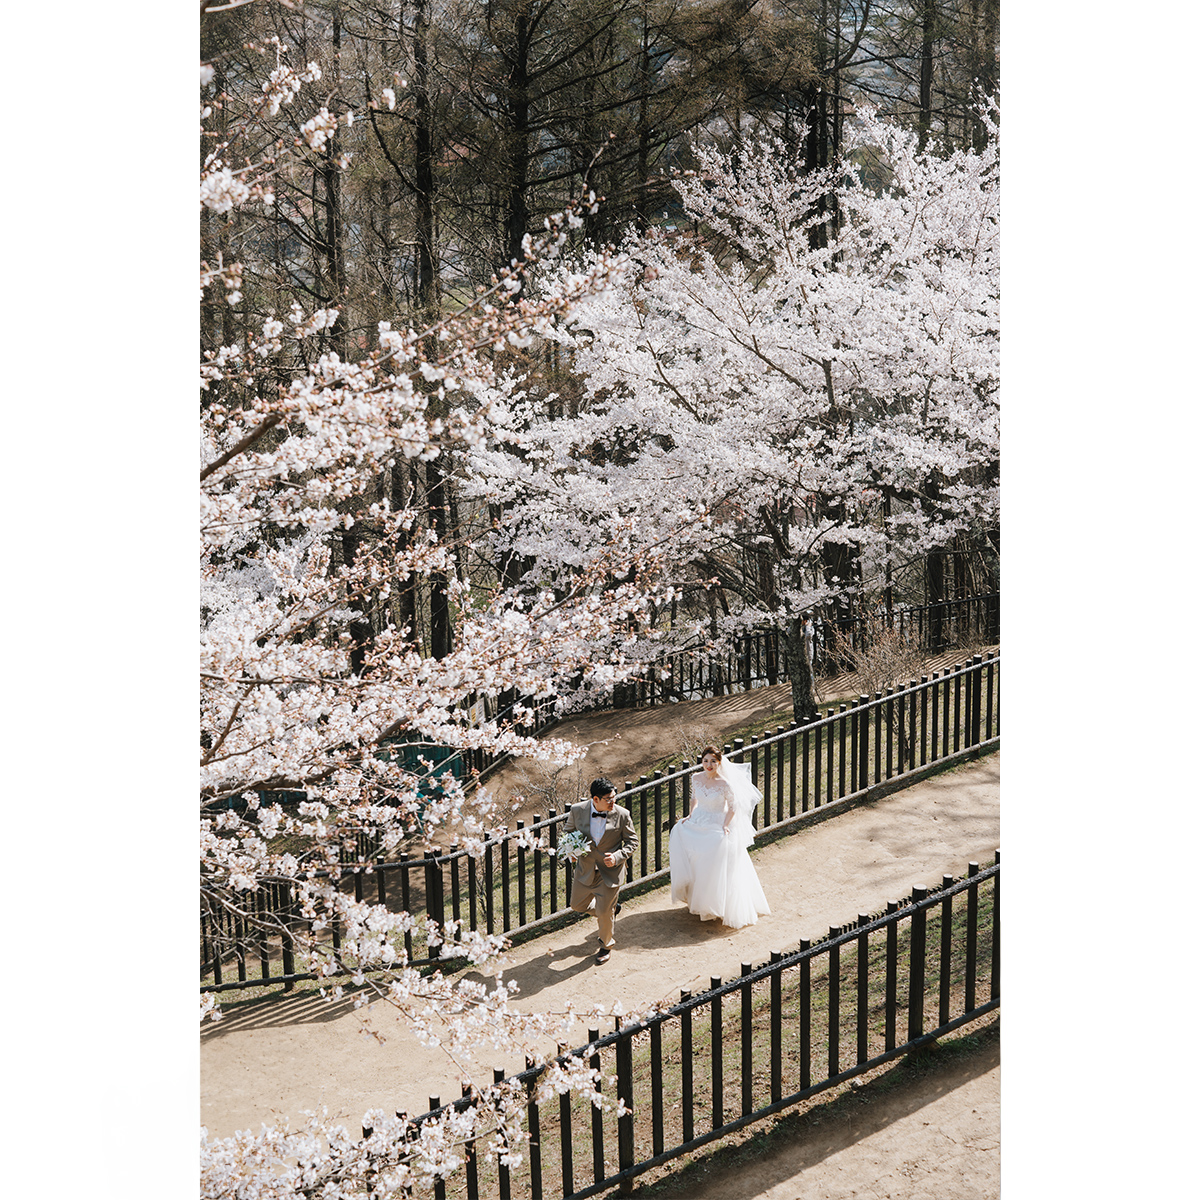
727,796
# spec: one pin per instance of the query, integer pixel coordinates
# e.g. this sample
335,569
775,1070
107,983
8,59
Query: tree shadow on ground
278,1010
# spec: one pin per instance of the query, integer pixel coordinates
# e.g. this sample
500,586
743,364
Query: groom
597,880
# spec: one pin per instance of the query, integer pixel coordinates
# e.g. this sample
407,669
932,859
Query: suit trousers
605,897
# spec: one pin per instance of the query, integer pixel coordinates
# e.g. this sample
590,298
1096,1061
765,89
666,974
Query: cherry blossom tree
294,699
810,388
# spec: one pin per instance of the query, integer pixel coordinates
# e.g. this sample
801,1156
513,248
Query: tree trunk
441,633
642,186
406,590
925,87
516,217
935,580
425,283
804,697
334,242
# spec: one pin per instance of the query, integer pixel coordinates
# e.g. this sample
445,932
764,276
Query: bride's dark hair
711,750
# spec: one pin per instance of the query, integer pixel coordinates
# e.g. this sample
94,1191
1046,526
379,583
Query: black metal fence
754,1046
758,659
846,755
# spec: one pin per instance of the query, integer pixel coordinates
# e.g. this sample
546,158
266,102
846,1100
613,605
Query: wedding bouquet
571,845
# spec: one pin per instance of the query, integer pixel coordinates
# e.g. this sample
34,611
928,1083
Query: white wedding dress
710,870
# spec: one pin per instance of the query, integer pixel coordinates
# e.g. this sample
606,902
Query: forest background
125,427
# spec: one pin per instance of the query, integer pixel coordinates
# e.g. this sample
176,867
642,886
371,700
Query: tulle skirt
712,873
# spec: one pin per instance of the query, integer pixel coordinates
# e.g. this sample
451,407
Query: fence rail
756,1045
850,753
758,659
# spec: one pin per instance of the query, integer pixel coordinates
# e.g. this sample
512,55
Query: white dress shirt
598,826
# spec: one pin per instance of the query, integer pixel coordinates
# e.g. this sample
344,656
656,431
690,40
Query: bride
710,870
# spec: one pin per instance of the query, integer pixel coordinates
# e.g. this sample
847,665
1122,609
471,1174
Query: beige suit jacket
620,840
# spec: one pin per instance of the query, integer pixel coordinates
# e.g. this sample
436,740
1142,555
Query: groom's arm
629,838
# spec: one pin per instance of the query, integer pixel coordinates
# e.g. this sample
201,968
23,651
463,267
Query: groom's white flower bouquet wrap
572,844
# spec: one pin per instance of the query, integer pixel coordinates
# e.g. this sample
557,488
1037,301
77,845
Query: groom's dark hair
601,787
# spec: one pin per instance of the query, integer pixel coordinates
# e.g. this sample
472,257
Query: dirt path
276,1058
273,1060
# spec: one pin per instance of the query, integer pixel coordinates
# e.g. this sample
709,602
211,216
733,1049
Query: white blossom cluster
759,388
324,1159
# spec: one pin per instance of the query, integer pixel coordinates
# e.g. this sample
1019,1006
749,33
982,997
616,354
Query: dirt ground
272,1060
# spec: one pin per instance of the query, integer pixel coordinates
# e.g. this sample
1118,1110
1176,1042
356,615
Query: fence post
991,676
916,968
841,750
439,1184
470,1158
776,1030
644,849
747,1044
878,736
958,713
625,1121
805,991
795,767
995,986
924,714
656,1086
863,997
718,1095
658,838
435,903
893,954
534,1119
597,1115
864,738
505,889
755,775
489,898
566,1155
289,946
976,698
502,1167
455,898
521,857
835,1001
685,1051
972,936
946,951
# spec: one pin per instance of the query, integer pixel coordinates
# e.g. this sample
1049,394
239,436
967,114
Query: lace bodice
710,798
